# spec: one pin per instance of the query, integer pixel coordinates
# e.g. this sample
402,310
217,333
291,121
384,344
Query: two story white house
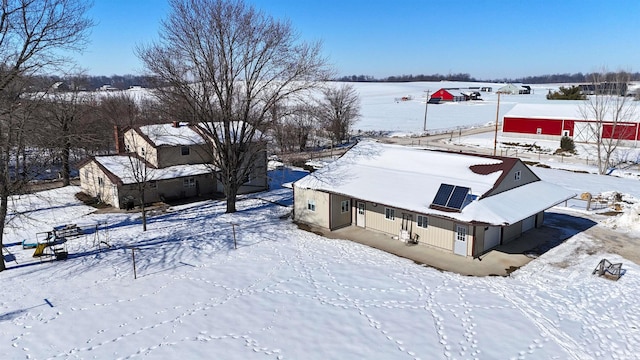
174,160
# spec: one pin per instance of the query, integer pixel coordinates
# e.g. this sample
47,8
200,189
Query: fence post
235,244
133,257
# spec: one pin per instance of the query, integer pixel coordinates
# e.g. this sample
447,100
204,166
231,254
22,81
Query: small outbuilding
460,203
512,89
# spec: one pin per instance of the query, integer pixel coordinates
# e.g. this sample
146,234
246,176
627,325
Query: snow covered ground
383,110
288,294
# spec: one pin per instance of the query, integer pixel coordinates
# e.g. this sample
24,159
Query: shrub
566,93
567,144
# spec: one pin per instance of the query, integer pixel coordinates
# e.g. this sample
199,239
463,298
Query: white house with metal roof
460,203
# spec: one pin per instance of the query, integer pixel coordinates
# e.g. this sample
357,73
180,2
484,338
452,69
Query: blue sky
486,39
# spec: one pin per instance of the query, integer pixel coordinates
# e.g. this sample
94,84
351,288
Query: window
100,181
422,221
539,131
389,214
142,151
311,205
184,150
461,233
518,174
344,206
189,182
127,148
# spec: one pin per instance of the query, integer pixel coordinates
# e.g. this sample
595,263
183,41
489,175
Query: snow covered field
382,109
288,294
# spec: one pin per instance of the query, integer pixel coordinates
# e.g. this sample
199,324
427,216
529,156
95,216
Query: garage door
491,237
529,223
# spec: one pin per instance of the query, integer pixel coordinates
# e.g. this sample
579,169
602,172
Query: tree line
538,79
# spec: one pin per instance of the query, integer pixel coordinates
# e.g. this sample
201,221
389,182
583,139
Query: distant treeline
123,82
541,79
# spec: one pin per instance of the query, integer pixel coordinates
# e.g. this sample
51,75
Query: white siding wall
319,217
136,143
94,182
439,233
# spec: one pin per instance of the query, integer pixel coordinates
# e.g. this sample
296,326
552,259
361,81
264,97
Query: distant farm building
543,121
453,95
512,89
605,88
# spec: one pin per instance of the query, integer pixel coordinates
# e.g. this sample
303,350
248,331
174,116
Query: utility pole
426,104
495,135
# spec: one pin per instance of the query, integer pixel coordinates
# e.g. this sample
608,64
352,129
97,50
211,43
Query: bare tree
66,113
225,66
291,130
338,111
142,173
607,113
33,35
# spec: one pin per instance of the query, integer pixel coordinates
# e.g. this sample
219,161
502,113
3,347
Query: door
360,214
491,237
114,193
529,223
460,242
585,132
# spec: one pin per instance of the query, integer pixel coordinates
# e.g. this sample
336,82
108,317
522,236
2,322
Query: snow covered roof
181,133
235,130
564,111
122,167
171,134
409,178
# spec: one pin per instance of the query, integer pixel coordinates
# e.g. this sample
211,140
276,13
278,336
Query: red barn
548,121
444,94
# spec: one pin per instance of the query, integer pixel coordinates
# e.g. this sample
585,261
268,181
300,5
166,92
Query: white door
114,193
492,237
360,219
529,223
460,242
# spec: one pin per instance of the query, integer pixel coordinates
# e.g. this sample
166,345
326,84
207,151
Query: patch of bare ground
606,240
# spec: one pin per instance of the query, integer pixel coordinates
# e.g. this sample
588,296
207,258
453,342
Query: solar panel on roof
452,197
443,194
457,197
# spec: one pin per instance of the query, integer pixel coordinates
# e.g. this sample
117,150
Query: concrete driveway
500,261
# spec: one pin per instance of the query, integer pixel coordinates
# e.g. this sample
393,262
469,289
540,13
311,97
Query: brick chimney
175,124
119,139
